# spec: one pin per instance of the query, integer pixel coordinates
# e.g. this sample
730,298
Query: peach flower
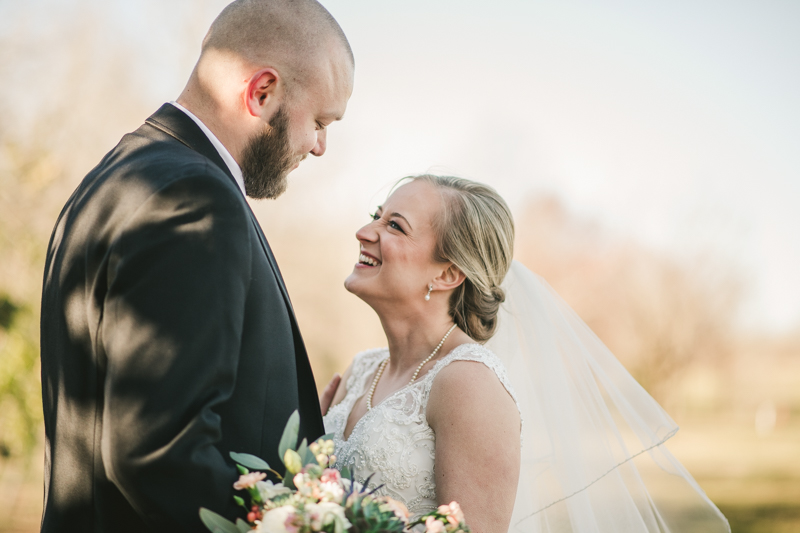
248,481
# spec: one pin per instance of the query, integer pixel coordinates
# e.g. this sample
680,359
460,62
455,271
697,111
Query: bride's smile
367,260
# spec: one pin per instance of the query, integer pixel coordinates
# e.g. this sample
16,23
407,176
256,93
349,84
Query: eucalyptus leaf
288,481
243,526
302,448
305,454
215,522
289,437
250,461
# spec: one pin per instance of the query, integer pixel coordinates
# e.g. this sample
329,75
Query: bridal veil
593,454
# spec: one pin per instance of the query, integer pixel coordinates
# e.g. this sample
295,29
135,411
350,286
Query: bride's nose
367,234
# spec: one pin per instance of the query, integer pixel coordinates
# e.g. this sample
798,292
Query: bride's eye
395,225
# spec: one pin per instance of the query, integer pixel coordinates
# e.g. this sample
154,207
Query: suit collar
179,125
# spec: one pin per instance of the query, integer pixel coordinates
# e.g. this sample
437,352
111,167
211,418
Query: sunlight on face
396,254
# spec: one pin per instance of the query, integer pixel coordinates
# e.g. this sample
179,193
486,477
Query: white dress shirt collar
226,156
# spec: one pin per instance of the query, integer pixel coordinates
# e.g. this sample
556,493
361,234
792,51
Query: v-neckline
374,407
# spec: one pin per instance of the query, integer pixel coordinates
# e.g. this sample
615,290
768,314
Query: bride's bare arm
477,428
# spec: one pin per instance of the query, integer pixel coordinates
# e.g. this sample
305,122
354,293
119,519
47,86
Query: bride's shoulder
472,352
458,369
468,385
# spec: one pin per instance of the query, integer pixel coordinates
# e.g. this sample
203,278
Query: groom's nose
319,148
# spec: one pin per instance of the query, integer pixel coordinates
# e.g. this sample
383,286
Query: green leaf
250,461
239,501
289,437
345,472
215,522
306,455
288,481
310,458
242,470
302,449
243,526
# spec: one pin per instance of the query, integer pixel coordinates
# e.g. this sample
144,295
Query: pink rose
397,507
248,481
432,525
330,475
453,510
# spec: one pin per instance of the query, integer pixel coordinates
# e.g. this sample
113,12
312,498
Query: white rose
274,521
268,489
331,491
329,513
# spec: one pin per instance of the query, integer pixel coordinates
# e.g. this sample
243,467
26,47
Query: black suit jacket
167,337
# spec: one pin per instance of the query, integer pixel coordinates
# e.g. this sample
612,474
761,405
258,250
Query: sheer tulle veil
593,454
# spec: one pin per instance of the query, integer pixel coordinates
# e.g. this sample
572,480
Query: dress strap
364,365
470,352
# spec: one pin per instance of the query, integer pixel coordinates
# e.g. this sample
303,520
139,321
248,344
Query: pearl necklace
378,374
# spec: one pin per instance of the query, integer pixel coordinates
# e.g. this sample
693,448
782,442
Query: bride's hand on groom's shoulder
333,393
326,398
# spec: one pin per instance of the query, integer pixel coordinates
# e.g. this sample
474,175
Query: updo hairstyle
475,232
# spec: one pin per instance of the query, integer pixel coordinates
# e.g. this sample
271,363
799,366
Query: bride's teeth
367,260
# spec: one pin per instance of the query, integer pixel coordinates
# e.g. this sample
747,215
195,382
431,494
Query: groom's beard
267,159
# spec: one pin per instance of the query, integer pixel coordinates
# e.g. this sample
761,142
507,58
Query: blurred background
649,152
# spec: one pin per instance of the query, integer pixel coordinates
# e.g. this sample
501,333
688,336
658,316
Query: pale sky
672,122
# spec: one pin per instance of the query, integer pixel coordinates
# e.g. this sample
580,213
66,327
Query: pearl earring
428,296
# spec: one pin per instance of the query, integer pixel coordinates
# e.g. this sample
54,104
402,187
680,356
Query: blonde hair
475,232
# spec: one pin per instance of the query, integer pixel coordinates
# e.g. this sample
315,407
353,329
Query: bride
492,392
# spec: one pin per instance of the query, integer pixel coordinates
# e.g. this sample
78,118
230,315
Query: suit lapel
272,262
179,125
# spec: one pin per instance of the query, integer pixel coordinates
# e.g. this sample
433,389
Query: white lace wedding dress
393,441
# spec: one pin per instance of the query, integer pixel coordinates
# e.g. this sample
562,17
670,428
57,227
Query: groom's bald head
294,35
272,76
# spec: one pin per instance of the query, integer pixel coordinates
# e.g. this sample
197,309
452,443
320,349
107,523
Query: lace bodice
393,441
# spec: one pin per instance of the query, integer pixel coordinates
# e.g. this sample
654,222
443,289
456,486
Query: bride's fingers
330,391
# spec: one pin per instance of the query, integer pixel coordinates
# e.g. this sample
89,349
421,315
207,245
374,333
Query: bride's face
396,262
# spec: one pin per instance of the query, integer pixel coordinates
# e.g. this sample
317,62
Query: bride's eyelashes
392,224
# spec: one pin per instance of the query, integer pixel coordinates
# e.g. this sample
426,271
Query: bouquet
312,496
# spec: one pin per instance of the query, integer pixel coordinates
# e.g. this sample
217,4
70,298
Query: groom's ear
262,93
450,278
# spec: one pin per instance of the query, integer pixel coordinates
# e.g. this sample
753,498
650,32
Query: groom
167,336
